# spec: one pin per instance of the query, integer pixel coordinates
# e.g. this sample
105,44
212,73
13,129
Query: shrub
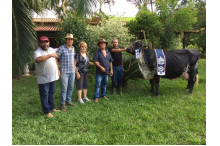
109,30
78,27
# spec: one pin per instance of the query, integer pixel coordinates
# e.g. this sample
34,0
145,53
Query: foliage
23,37
200,40
109,30
135,118
77,26
149,22
131,68
185,18
24,40
161,27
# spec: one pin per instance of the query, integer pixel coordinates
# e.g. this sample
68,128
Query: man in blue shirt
67,71
103,61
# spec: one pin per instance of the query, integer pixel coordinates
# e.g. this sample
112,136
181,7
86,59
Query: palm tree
142,3
24,40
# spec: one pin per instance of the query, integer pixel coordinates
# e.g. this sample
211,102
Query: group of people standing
74,64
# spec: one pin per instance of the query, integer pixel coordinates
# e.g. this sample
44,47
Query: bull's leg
152,85
187,85
157,79
192,79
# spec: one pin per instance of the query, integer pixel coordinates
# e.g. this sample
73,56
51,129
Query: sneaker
86,99
80,100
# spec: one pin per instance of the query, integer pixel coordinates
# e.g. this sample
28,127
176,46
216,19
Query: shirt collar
66,46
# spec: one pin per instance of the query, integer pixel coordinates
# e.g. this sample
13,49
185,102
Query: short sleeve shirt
82,64
116,56
47,70
66,59
104,62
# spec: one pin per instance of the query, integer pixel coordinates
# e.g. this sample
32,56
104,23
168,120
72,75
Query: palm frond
24,40
134,71
84,7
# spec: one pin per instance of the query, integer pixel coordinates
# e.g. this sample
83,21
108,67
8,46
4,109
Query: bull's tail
197,79
197,73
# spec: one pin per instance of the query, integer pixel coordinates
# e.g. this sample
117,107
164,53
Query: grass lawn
136,118
126,19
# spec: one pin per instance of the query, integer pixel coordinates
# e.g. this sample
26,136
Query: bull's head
135,45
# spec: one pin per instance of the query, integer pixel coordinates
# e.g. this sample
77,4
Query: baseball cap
44,38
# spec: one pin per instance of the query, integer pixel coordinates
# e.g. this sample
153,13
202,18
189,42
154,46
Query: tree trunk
184,40
151,5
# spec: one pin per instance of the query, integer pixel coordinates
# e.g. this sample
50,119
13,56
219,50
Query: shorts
83,82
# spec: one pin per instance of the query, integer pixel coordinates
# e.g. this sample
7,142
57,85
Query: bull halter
132,47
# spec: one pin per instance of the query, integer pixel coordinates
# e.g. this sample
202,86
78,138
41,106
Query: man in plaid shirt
67,71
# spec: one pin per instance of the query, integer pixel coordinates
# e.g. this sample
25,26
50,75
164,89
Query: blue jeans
67,84
47,92
100,79
117,76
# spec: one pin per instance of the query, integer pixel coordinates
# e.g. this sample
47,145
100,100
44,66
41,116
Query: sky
120,8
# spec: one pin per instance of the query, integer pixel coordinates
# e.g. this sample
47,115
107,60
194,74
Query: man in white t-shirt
47,73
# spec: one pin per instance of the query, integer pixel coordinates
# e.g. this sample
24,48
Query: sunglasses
83,46
44,41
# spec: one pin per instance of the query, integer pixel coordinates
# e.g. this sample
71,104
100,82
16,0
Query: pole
144,36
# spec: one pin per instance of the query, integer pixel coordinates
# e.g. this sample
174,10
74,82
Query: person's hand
102,69
59,73
111,73
55,55
77,76
126,48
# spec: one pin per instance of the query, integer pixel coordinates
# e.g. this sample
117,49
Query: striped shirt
66,59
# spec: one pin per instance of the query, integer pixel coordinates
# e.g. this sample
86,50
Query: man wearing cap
47,73
116,53
67,71
103,61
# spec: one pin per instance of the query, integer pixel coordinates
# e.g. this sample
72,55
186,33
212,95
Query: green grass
126,19
136,118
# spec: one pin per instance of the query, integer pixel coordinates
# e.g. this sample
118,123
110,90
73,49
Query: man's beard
45,47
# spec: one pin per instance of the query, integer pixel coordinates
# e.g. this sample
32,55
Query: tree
149,22
78,27
109,30
23,34
142,3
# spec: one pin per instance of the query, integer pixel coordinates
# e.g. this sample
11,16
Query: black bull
178,63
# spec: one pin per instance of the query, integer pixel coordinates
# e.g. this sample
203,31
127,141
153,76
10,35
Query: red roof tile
46,20
46,28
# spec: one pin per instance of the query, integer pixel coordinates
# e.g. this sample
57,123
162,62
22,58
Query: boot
114,90
120,90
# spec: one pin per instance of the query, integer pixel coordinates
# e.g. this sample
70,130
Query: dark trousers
117,76
47,92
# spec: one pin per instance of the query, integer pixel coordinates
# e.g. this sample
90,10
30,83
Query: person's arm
99,66
44,58
58,67
77,73
111,70
118,50
91,63
96,62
